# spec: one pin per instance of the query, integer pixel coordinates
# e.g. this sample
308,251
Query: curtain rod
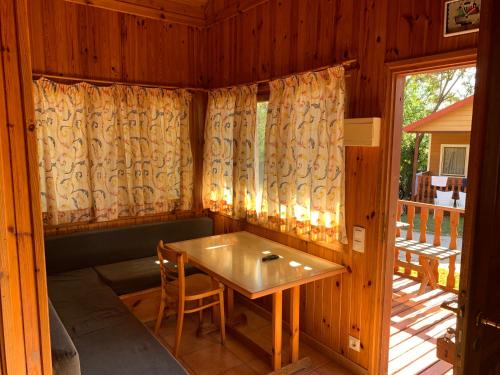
348,65
62,78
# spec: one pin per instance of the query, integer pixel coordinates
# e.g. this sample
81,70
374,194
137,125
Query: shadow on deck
416,322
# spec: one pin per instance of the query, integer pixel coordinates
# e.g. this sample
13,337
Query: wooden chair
444,198
193,288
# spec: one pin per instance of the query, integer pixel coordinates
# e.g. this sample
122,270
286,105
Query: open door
479,318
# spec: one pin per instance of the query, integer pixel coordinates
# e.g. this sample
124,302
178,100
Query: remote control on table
270,257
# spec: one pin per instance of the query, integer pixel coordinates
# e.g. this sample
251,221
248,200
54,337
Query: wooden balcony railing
426,218
426,192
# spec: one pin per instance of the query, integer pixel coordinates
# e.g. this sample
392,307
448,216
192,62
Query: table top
235,259
401,225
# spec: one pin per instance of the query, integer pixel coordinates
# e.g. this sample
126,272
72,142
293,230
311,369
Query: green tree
425,94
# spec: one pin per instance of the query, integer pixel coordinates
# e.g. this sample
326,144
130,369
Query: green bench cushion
134,275
108,338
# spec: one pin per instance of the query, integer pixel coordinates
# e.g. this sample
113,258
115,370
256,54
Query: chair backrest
172,267
444,198
462,199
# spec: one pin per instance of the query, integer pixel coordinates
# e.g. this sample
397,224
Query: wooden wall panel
281,37
81,41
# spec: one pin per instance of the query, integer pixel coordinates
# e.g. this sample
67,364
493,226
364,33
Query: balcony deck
416,322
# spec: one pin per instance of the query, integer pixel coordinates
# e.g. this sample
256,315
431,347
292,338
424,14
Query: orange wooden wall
286,36
77,40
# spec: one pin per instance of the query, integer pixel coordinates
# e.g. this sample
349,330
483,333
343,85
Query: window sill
244,224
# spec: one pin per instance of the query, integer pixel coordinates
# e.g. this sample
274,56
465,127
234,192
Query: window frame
441,155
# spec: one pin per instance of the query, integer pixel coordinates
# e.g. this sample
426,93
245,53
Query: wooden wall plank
22,262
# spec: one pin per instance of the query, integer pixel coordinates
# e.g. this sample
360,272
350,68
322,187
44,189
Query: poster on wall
461,17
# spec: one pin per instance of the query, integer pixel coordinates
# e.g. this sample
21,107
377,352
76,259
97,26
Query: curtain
110,152
230,152
454,159
304,156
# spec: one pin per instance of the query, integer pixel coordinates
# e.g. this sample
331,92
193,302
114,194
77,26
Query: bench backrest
87,249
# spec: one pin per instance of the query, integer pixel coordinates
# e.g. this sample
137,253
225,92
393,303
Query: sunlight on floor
416,322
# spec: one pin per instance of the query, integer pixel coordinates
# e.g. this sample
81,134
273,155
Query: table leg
294,323
232,318
277,329
230,304
428,276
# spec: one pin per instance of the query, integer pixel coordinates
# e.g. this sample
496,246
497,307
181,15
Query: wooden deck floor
416,323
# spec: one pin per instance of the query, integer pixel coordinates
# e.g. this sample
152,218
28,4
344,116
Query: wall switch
358,239
354,344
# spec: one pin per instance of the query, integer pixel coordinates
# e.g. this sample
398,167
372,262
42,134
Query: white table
235,259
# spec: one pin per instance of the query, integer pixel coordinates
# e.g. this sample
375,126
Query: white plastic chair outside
461,200
444,198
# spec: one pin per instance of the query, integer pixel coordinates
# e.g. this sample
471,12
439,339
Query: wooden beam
234,9
174,12
24,308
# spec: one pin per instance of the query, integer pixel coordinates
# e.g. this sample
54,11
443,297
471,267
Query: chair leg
178,330
200,313
222,319
159,319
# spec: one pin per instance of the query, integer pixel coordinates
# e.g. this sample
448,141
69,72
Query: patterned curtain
304,162
109,152
230,152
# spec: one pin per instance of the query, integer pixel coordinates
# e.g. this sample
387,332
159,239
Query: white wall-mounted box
364,132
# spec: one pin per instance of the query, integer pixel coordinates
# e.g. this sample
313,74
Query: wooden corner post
24,328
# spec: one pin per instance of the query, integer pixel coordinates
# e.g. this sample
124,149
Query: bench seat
428,254
109,339
86,273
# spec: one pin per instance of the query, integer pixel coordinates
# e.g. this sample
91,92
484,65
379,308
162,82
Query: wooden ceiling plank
233,9
144,11
196,13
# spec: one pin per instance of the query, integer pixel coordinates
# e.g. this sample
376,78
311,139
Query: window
261,147
454,160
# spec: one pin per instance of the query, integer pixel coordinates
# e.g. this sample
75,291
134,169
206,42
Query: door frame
391,143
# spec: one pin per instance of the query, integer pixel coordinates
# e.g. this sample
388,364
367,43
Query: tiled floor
205,356
416,322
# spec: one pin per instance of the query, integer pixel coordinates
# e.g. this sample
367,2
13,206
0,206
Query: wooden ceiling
197,13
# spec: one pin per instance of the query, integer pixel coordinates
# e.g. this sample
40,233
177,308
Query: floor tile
332,368
239,370
206,356
211,361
